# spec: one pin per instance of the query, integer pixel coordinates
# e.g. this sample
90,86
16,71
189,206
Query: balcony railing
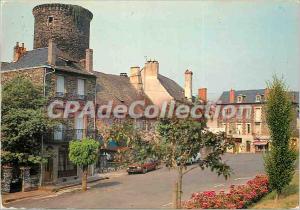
63,135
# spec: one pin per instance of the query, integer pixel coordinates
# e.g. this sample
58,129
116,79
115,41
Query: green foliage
182,139
23,122
280,161
84,152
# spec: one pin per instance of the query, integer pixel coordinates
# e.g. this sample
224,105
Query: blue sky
232,44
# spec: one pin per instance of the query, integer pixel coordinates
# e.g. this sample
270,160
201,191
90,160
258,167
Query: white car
195,159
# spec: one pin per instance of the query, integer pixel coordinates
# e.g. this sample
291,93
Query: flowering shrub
238,196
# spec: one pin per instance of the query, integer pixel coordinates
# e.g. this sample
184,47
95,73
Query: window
257,128
239,128
58,132
258,114
240,99
248,113
80,87
60,85
258,98
248,128
79,126
50,20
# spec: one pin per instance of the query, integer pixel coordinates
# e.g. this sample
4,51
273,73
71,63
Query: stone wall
69,28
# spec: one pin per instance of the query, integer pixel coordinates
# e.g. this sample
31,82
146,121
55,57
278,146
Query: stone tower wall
61,22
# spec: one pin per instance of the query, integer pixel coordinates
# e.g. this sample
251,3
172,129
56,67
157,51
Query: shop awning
260,142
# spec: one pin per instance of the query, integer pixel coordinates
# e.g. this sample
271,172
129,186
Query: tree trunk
179,187
84,178
175,195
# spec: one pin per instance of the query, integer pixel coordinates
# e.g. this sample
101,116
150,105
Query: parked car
148,165
195,159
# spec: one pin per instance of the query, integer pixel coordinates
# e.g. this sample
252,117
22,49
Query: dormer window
240,99
50,20
258,98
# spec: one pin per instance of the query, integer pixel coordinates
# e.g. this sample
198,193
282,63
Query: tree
84,153
182,139
23,122
280,161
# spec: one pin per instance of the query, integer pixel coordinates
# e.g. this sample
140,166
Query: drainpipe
42,143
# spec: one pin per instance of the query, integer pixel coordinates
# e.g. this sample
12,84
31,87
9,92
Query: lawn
289,198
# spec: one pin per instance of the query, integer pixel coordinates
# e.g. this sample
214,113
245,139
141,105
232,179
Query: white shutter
80,90
60,84
58,133
79,124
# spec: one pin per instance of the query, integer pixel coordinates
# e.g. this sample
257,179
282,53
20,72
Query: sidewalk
9,197
48,190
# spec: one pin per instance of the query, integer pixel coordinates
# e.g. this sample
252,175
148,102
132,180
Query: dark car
148,165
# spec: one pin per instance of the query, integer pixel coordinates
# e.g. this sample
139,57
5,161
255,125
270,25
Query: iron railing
64,135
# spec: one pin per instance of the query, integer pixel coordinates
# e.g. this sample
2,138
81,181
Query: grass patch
288,199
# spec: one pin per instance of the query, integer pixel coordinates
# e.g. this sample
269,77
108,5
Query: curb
76,184
57,189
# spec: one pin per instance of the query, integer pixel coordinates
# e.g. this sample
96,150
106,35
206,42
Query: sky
228,45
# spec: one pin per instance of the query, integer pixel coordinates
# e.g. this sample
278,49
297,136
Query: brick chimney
18,51
152,69
188,84
202,94
135,77
266,93
89,60
231,96
51,52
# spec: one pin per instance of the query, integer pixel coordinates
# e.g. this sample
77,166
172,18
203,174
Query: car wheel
144,170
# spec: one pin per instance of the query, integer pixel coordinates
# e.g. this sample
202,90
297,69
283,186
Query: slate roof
249,96
118,89
39,58
30,59
175,90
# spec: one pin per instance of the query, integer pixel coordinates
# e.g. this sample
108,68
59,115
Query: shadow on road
106,184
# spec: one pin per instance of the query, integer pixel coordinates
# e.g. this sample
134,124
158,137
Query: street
150,190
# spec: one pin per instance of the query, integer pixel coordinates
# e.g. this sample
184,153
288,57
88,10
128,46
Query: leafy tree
182,139
84,153
23,122
280,161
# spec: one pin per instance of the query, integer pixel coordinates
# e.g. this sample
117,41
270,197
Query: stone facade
248,126
67,25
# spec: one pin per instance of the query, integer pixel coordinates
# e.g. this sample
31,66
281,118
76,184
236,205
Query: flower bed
238,196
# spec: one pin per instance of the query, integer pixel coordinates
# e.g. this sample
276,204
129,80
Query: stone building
62,64
159,88
245,119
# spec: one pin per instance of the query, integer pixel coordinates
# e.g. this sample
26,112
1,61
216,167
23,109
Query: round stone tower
67,25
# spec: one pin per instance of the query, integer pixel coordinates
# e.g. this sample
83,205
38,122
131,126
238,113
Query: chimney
202,94
51,52
152,68
266,94
18,51
188,84
89,60
231,96
135,77
123,75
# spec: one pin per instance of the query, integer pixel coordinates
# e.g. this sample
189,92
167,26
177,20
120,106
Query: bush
238,196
